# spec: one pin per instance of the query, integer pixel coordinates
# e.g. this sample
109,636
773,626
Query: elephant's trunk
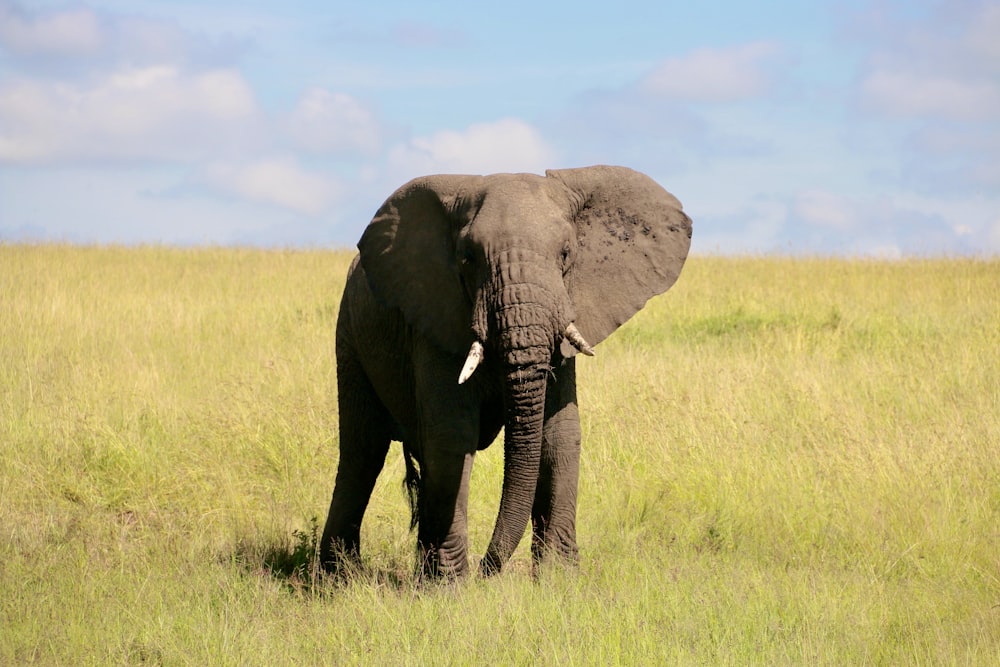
524,398
525,325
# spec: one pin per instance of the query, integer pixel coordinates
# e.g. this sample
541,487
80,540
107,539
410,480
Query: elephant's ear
408,253
633,238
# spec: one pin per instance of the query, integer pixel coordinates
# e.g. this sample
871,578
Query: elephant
462,314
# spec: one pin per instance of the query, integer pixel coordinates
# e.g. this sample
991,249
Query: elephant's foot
553,545
442,563
490,564
544,559
340,558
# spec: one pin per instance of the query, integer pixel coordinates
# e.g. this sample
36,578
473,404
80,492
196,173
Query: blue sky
832,126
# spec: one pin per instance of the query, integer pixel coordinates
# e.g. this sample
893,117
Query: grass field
786,461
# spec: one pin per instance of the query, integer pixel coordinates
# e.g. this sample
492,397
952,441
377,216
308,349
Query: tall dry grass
786,461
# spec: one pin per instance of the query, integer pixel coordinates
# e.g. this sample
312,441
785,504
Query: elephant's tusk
573,335
471,362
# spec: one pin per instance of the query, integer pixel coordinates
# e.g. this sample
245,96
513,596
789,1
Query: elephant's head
525,269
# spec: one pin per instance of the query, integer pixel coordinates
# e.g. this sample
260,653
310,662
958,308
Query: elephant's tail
412,485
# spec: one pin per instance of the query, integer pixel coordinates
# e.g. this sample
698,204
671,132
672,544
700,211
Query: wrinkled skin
504,262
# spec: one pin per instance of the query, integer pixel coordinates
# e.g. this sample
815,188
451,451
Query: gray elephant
462,314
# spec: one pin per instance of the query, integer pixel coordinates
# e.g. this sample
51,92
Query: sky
839,127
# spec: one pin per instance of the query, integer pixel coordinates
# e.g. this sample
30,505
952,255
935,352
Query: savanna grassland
785,461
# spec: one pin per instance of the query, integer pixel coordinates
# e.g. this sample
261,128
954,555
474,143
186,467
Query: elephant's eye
468,257
564,256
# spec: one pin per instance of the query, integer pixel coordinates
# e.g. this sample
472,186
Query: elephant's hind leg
366,429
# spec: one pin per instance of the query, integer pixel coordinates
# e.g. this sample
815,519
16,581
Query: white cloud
280,181
715,75
946,67
327,122
736,225
825,209
888,224
903,93
992,237
939,72
65,33
509,144
982,38
74,40
415,34
878,250
155,113
973,222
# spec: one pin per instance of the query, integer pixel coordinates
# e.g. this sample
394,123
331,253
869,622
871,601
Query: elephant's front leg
449,433
553,514
443,517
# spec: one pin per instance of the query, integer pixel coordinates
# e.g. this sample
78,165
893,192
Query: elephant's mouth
477,352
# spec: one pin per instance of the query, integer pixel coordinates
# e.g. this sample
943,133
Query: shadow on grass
294,563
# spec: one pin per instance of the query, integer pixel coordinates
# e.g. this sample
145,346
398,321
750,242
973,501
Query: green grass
786,461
